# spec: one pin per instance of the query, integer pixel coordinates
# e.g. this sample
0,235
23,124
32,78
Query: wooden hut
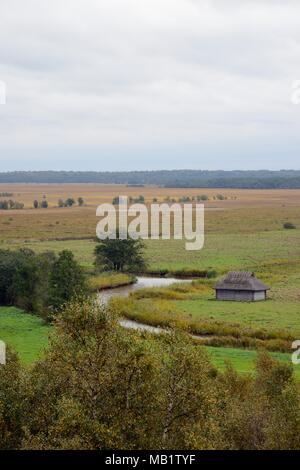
242,287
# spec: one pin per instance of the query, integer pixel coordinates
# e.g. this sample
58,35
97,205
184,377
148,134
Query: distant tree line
69,202
39,283
132,200
260,179
183,199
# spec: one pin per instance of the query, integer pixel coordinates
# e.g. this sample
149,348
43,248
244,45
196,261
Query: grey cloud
121,76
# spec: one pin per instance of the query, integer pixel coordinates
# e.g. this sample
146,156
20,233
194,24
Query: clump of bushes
69,202
40,204
11,205
132,200
202,197
184,273
197,273
289,226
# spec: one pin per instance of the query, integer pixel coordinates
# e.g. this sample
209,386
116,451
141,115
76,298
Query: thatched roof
237,280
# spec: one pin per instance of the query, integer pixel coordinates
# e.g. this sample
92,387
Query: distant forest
260,179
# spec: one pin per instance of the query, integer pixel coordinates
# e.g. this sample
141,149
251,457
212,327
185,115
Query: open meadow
244,231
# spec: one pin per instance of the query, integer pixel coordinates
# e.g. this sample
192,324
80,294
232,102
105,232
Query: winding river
142,282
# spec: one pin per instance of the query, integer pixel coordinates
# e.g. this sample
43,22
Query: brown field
242,211
95,194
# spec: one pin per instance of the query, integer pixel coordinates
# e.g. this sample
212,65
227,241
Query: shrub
289,226
11,205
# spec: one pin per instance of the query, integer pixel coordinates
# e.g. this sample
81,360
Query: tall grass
109,280
163,313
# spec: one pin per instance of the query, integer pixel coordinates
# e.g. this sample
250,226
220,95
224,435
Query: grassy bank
109,281
247,325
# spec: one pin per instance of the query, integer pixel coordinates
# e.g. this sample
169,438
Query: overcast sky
149,84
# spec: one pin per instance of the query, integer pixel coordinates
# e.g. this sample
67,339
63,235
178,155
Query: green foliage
66,280
34,282
24,279
69,202
102,387
120,255
12,395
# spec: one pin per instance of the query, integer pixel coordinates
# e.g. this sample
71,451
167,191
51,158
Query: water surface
142,282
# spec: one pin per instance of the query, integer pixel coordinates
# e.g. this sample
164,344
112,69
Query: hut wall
239,295
260,295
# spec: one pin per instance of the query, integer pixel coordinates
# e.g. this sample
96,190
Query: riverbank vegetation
103,387
109,280
192,307
164,313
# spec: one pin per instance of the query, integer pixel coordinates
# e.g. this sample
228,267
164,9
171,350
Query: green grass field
243,360
26,334
269,251
271,315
